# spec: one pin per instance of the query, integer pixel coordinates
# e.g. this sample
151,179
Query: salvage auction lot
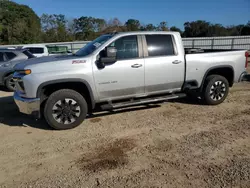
175,144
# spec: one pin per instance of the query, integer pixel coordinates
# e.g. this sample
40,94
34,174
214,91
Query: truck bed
197,63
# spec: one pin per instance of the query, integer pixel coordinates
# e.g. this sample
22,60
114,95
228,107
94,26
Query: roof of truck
144,32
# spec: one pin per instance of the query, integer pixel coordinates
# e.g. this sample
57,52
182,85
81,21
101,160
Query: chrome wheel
66,111
217,91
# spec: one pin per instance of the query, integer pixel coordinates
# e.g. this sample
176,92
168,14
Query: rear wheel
215,90
65,109
9,83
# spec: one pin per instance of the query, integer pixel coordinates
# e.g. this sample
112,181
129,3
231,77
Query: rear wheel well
80,87
226,72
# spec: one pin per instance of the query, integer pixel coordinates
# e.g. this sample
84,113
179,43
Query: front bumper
244,77
27,106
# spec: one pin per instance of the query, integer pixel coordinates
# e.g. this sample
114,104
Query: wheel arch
224,70
79,85
7,73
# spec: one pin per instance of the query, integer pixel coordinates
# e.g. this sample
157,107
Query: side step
141,101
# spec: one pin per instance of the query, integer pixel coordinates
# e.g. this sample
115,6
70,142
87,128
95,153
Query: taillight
246,55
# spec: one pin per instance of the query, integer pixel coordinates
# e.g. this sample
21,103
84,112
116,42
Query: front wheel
216,89
65,109
9,83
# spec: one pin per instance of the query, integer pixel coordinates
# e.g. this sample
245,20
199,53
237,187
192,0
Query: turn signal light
26,72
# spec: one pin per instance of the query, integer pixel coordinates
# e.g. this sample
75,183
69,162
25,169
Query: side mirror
108,56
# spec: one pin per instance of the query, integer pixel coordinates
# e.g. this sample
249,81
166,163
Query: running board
141,101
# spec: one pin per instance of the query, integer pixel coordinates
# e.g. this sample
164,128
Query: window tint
2,58
10,55
127,47
160,45
34,50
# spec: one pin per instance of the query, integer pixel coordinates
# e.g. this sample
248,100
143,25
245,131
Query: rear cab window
160,45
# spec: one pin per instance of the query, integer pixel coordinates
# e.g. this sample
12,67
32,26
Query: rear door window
35,50
10,55
160,45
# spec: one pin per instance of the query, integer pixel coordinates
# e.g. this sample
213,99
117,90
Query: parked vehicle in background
38,50
8,59
41,50
57,50
121,70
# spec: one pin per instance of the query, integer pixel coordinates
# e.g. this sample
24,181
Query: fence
236,42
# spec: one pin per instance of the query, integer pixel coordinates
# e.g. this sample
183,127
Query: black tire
215,89
9,83
66,111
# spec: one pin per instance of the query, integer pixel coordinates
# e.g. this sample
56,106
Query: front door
124,78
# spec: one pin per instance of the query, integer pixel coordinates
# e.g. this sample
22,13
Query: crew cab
120,70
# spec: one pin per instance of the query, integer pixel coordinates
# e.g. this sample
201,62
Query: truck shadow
189,100
247,78
10,115
2,88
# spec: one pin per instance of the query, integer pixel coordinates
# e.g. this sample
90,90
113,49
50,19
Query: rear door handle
136,65
176,62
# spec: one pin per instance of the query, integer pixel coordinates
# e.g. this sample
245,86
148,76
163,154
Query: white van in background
38,50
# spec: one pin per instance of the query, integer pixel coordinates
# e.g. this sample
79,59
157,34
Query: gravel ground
175,144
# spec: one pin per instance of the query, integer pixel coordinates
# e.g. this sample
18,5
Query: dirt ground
175,144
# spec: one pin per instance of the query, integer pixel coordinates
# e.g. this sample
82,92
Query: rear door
164,67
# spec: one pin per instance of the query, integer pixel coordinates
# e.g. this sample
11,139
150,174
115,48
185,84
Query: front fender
68,80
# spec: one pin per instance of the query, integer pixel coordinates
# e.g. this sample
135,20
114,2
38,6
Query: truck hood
47,59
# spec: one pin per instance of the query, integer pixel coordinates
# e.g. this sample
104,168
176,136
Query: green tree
163,26
133,25
114,22
55,28
197,28
246,29
18,24
149,27
173,28
88,28
217,30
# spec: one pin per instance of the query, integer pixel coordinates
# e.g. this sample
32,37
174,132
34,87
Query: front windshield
92,46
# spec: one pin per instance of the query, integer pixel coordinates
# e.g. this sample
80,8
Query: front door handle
136,65
176,62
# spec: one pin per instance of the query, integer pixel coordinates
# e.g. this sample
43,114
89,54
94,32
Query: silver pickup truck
120,70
